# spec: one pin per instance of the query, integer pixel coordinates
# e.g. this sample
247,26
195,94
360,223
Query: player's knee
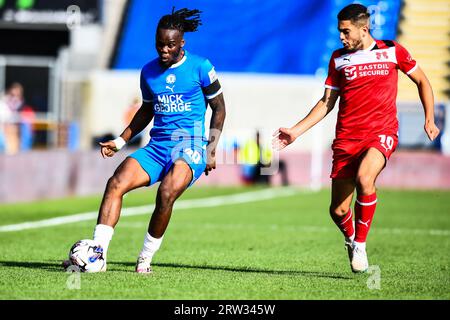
168,195
116,185
338,210
364,183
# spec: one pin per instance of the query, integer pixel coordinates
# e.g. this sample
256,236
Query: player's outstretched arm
140,120
285,136
217,105
427,99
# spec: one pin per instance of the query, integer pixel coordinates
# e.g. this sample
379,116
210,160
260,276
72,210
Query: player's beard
356,45
174,58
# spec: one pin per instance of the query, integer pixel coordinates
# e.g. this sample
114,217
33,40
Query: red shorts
347,153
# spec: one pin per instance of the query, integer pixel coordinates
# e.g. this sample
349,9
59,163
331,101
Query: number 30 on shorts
386,142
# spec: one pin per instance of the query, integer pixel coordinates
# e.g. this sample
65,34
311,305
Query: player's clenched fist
108,149
210,161
431,130
283,137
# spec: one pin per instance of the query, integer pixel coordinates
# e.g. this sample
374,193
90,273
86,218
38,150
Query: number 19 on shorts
386,142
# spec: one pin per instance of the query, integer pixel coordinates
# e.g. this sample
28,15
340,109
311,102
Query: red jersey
367,82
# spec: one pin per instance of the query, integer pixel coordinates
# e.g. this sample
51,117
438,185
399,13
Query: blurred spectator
10,104
254,157
5,116
235,150
27,119
248,158
128,116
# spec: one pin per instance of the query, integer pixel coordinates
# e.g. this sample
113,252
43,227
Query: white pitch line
246,197
300,228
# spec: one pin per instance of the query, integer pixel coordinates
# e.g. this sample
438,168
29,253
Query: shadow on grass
56,266
48,266
243,269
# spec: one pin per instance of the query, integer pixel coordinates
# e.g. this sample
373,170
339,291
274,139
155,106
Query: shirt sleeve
147,95
209,80
207,73
332,81
404,60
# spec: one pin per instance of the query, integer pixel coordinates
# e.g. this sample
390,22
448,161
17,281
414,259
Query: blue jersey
178,98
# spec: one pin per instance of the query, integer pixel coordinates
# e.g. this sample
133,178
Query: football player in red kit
364,75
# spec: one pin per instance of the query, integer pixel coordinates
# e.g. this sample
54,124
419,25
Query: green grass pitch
281,248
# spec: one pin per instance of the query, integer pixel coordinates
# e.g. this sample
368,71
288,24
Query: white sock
360,245
103,235
151,245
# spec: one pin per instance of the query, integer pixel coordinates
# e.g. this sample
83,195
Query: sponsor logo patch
212,75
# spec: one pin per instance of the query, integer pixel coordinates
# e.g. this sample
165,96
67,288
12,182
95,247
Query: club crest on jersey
382,55
171,78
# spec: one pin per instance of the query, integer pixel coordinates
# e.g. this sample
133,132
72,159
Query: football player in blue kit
176,90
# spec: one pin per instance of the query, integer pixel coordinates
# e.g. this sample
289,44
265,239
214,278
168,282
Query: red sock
364,211
345,223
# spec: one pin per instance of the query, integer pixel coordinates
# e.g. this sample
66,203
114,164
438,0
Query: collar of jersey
179,63
370,47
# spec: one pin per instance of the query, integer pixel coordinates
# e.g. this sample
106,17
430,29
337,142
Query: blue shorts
157,158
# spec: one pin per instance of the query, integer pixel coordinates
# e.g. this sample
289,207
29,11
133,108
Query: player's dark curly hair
356,13
184,20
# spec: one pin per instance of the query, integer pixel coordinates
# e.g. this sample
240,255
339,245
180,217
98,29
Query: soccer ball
87,255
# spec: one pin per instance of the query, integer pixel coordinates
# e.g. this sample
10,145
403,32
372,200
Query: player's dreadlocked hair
184,20
356,13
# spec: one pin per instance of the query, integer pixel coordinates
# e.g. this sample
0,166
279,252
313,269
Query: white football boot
359,262
103,269
348,243
143,265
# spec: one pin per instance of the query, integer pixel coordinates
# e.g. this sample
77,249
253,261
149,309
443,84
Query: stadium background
79,63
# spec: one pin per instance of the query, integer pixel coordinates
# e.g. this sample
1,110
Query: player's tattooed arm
285,136
217,105
427,99
140,120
